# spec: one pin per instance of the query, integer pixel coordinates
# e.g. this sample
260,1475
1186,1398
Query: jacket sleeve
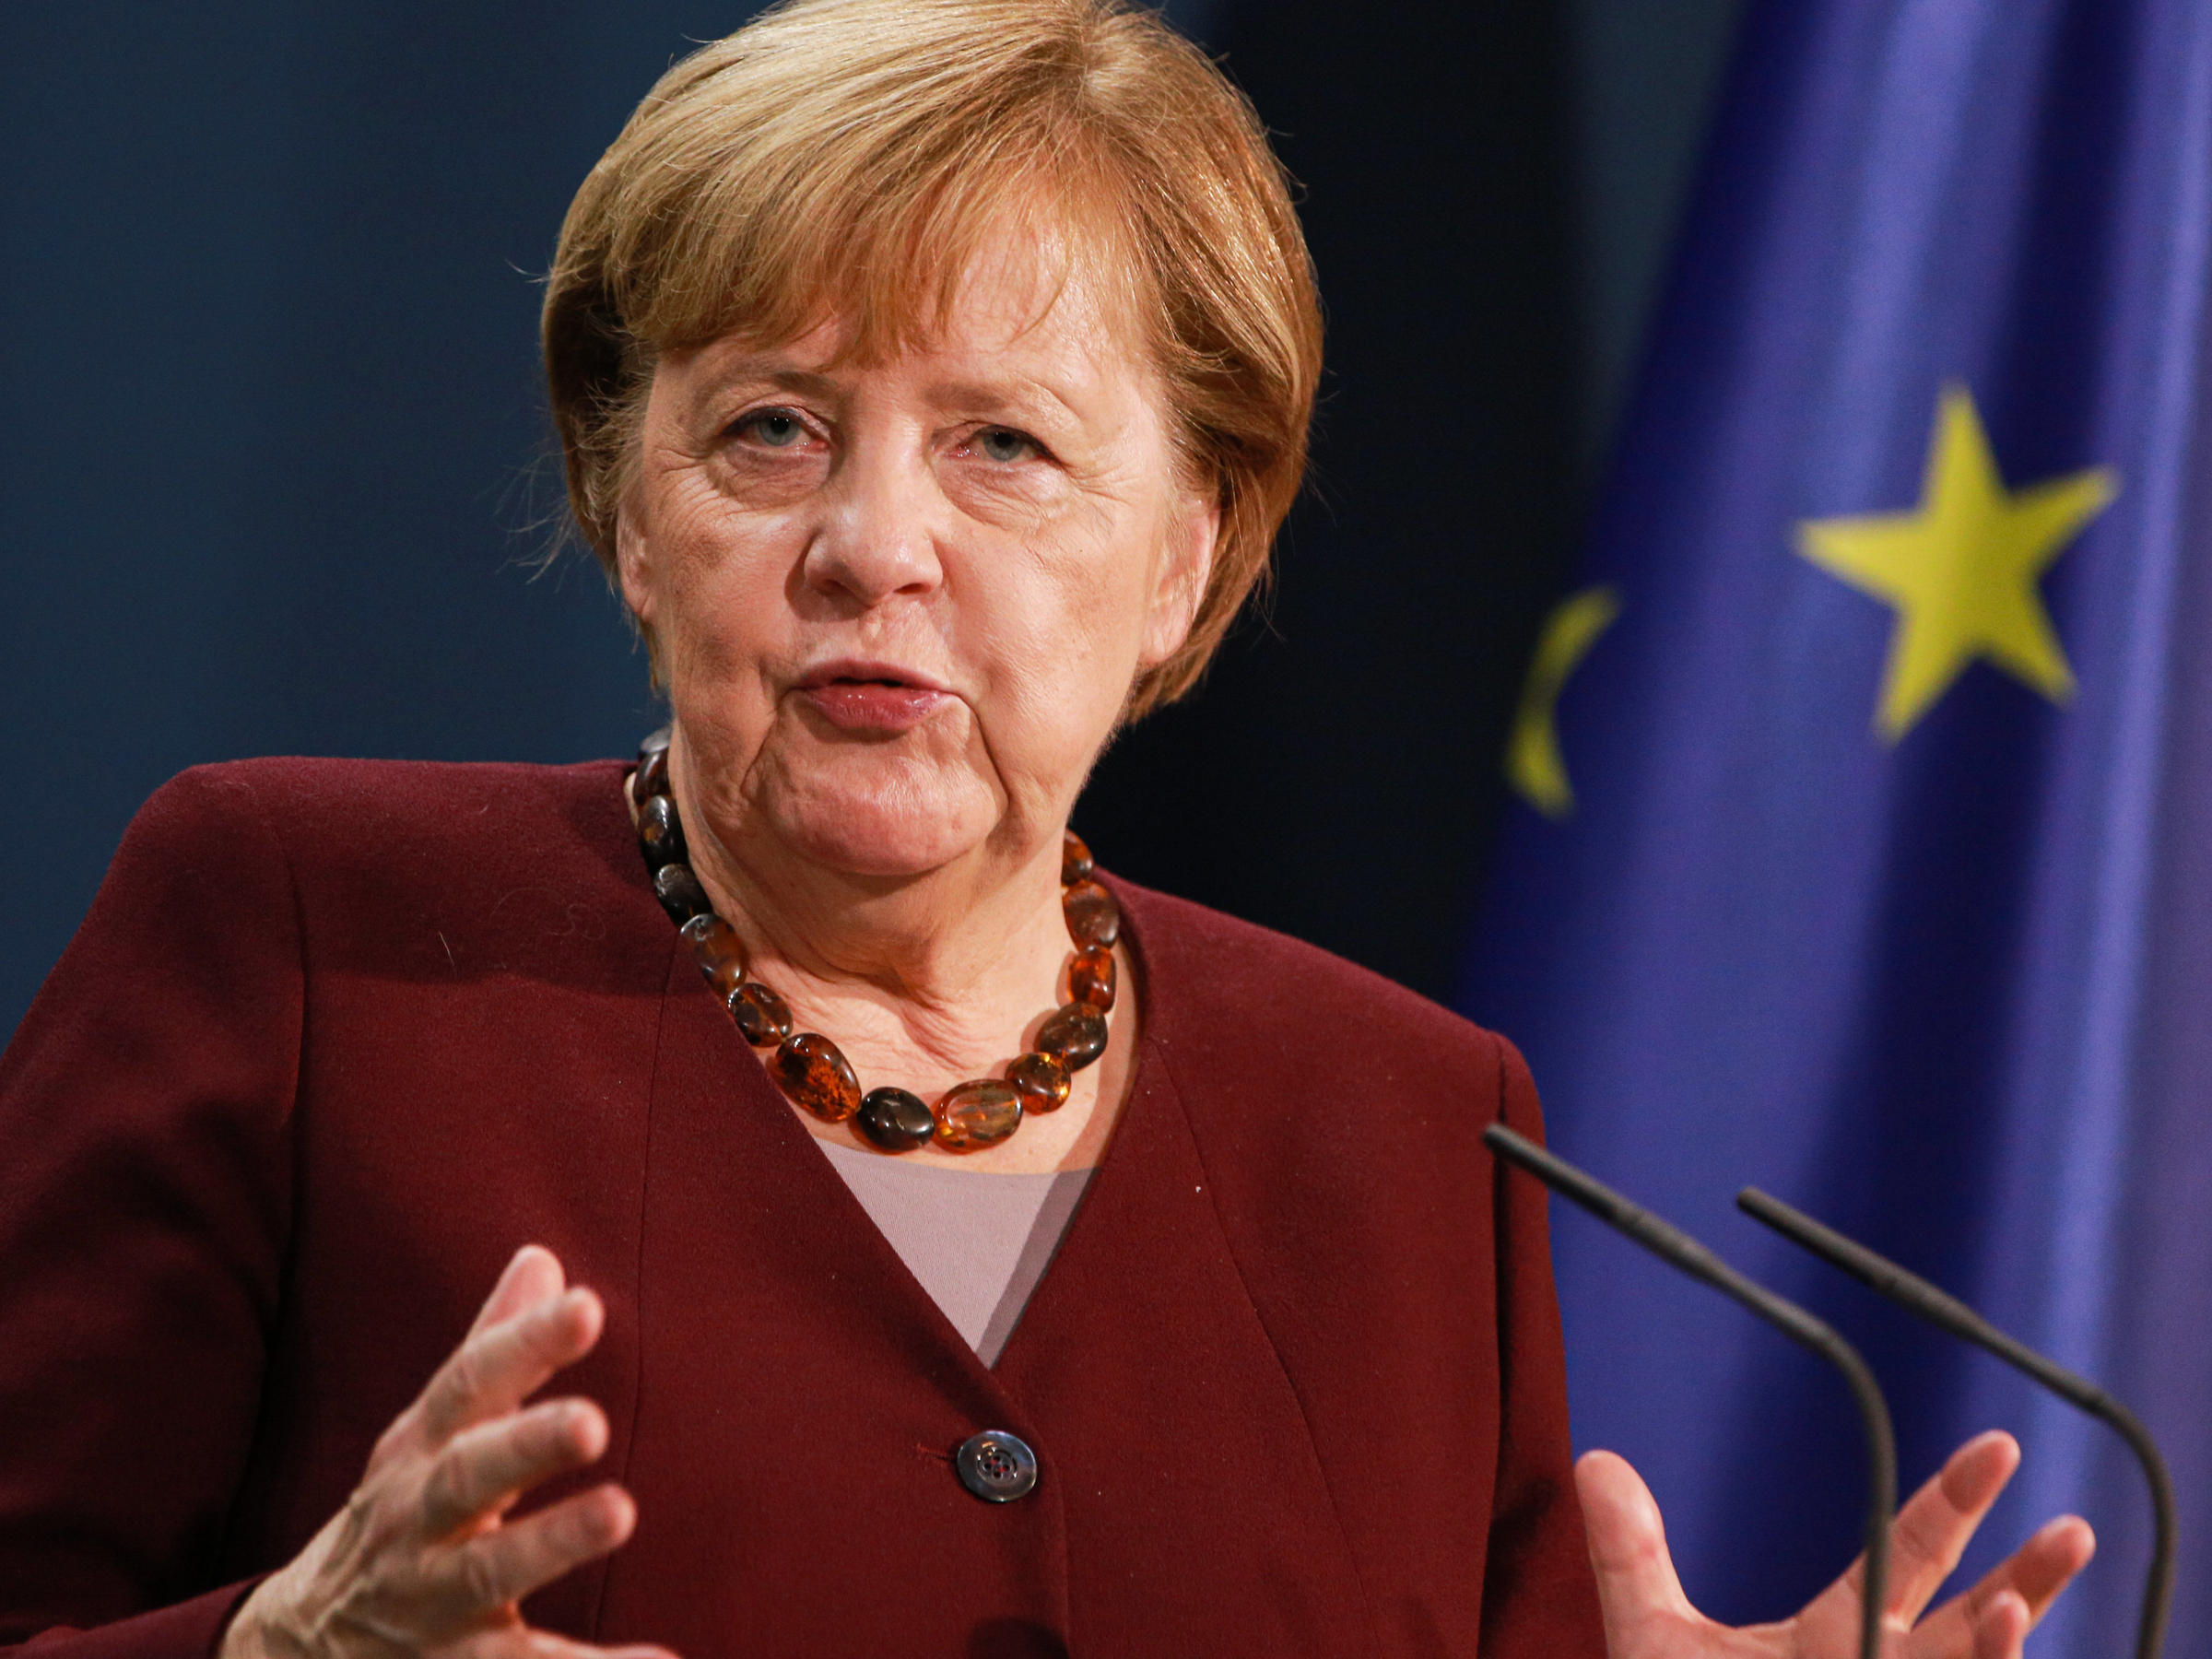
145,1199
1540,1597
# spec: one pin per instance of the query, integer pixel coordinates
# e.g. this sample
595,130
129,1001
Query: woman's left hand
1647,1617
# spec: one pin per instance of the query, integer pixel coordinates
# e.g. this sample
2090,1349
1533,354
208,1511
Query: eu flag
1866,844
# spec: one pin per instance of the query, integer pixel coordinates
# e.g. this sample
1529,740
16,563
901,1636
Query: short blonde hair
848,157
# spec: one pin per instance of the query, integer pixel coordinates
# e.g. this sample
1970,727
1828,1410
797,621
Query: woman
933,377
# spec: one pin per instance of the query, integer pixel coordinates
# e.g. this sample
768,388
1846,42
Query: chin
876,835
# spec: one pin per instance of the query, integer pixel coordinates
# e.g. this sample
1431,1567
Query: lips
871,697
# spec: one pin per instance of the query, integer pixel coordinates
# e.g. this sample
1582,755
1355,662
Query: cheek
1068,624
720,574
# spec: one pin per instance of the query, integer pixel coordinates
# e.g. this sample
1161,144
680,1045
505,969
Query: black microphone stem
1672,1244
1951,1314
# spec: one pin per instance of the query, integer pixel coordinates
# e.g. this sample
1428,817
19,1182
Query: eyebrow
797,380
1015,394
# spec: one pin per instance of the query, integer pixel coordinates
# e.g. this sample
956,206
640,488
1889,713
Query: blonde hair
849,158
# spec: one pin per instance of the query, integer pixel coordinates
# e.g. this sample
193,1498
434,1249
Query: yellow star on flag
1962,569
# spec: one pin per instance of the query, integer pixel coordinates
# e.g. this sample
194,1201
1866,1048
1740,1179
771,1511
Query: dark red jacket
337,1037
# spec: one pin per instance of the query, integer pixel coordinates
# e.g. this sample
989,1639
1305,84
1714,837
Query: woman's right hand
421,1559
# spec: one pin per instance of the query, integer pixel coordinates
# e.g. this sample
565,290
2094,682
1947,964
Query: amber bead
895,1120
762,1016
974,1115
716,949
658,738
1074,859
1090,978
652,777
819,1078
679,893
1075,1036
1041,1080
1093,918
659,834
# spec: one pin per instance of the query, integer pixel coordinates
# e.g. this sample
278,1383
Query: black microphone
1673,1245
1951,1314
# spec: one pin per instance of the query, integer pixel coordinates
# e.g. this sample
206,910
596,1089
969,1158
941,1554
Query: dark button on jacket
996,1467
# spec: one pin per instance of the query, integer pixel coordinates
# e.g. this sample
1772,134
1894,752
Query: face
899,603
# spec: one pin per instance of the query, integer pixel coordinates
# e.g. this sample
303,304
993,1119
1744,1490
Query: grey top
977,1243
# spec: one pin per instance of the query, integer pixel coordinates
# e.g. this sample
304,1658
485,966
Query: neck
923,981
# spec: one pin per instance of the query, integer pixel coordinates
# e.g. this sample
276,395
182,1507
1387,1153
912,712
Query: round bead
762,1016
1075,1036
895,1120
1093,918
659,834
819,1078
972,1116
651,778
679,893
1041,1080
656,739
716,948
1074,859
1090,978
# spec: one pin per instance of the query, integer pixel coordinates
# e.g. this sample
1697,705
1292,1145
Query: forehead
1026,305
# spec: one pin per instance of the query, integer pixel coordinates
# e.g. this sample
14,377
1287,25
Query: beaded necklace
810,1069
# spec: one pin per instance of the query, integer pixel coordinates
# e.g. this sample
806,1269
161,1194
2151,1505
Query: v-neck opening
840,1200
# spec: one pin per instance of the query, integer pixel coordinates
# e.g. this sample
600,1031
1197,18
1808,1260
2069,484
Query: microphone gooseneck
1948,1313
1673,1245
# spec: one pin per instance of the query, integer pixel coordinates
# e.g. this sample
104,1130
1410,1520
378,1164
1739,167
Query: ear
633,559
1179,586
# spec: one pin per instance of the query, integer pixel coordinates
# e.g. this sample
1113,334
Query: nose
879,537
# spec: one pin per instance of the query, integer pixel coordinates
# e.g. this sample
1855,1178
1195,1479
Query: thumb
1636,1584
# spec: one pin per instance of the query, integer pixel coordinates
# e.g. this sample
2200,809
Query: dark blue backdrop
265,466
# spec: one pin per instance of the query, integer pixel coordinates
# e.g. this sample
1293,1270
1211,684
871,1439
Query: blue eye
1002,443
777,429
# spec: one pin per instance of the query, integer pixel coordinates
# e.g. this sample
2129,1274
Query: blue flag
1865,851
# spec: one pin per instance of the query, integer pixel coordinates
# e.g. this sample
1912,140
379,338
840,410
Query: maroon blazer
337,1036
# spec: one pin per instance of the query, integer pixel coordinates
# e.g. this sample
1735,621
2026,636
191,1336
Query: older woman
933,375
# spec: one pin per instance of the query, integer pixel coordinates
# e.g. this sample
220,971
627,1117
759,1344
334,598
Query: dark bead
819,1078
656,739
652,777
679,893
659,834
974,1115
1041,1080
717,950
1075,1036
1074,860
1093,918
895,1120
762,1016
1090,978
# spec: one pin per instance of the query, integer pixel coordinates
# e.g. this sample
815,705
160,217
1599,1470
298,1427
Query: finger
1637,1584
495,1370
2002,1627
1932,1530
496,1568
533,1275
2034,1573
483,1469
